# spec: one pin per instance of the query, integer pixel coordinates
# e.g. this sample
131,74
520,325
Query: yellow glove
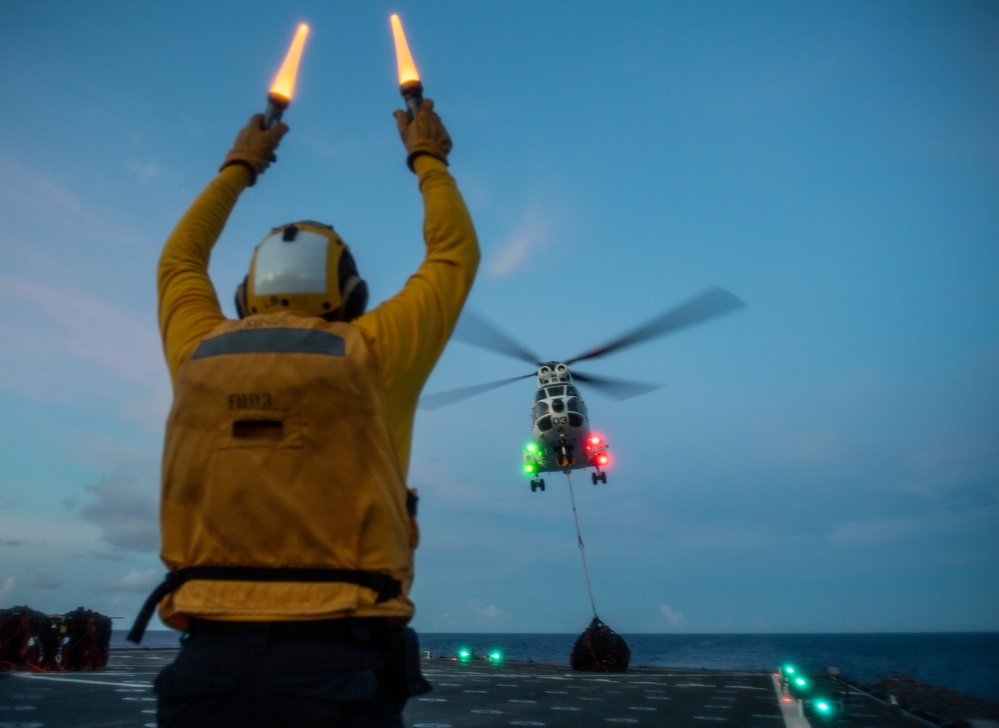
423,134
254,147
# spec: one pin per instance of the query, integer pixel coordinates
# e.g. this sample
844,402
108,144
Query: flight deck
473,694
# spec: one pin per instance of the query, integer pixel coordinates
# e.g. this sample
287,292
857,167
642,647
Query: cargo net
600,649
38,642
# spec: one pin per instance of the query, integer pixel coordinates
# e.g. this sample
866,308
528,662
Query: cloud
12,542
37,580
141,582
192,125
108,555
6,588
32,192
476,616
872,531
85,327
808,448
671,616
490,613
144,172
68,347
126,512
531,235
148,412
38,196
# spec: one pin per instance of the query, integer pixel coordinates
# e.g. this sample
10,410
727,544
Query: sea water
965,662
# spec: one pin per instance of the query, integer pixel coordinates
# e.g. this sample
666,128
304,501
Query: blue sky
825,460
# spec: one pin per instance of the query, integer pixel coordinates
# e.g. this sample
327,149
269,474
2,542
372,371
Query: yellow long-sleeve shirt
406,333
402,340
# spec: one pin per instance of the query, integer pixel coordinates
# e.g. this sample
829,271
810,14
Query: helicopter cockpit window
540,394
545,423
576,405
540,408
575,420
572,391
556,391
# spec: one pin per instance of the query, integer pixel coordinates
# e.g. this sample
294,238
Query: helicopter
563,440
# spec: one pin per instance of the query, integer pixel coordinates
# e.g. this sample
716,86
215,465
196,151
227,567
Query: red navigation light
594,439
602,459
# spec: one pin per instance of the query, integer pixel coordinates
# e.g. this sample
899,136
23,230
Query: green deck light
495,657
823,708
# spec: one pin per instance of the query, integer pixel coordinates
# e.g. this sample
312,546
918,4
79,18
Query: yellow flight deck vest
280,468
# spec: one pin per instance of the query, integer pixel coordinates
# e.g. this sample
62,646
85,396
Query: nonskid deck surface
474,694
531,694
120,696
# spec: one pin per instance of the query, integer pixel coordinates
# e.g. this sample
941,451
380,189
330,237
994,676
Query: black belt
360,630
385,586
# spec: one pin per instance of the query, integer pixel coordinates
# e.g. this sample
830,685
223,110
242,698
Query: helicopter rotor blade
615,388
713,302
475,330
440,399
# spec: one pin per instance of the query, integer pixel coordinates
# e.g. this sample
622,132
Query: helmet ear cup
355,298
242,307
353,288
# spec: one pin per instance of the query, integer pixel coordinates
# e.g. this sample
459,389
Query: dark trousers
342,673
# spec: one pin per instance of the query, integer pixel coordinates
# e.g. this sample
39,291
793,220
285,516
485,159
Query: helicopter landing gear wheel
600,477
538,484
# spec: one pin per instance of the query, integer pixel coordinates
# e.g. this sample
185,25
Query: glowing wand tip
409,78
283,87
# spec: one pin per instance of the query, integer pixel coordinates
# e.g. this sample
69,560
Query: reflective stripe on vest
272,341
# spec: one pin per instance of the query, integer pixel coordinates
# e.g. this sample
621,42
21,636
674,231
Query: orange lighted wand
409,78
284,83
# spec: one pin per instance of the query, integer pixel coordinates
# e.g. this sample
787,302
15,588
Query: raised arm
408,332
188,304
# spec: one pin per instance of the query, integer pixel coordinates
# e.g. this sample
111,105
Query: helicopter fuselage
563,440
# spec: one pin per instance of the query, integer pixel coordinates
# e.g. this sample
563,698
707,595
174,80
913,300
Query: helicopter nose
558,405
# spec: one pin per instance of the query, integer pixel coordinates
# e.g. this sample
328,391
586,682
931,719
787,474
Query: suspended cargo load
600,649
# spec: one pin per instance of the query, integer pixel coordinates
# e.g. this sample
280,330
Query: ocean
967,662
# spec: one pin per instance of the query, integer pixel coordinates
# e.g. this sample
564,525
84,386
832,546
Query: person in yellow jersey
288,529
